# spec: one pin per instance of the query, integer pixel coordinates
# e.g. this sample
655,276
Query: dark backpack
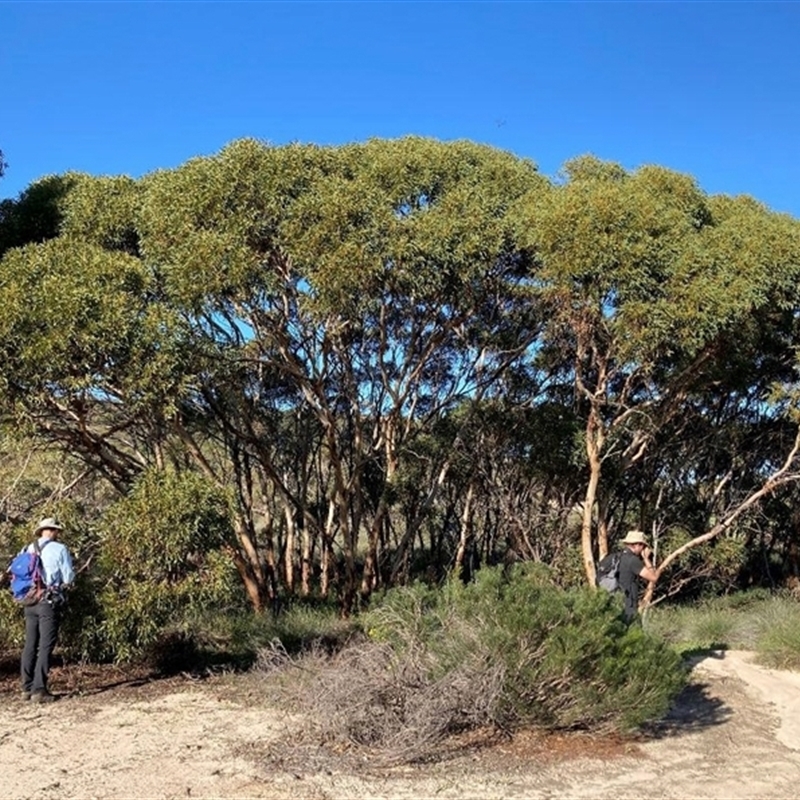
27,577
607,576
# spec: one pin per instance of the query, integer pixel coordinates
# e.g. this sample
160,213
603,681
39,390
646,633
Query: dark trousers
41,633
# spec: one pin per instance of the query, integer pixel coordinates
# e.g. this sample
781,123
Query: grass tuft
766,623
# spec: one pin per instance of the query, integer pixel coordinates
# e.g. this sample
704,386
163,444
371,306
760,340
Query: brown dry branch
387,708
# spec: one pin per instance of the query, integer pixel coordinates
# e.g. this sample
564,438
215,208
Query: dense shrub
163,560
568,658
510,649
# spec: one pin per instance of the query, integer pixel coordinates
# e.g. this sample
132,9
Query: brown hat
634,537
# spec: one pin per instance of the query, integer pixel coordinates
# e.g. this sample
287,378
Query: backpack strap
37,548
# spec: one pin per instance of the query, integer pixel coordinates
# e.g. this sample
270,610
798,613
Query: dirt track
734,733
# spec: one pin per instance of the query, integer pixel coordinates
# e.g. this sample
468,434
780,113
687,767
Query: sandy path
775,688
733,734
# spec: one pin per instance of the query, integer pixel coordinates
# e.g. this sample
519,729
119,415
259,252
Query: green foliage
567,567
12,626
399,306
103,211
37,213
778,643
163,558
754,620
708,570
567,658
79,318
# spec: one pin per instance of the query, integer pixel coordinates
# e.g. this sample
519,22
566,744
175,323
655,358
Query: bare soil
734,733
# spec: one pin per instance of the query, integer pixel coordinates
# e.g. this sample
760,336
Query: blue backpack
27,577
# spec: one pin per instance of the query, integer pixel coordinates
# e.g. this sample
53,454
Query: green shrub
12,626
163,560
567,658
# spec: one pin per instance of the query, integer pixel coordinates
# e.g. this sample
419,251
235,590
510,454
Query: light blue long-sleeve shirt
56,563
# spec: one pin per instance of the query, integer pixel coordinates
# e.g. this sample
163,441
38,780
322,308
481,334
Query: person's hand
647,553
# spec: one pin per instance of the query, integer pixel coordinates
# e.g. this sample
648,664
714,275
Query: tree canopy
411,355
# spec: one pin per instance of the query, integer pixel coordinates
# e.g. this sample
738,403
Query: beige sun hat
49,524
634,537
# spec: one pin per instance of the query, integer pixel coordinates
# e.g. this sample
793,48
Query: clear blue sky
710,89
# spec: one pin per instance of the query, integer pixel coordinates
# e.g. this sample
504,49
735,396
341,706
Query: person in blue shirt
42,620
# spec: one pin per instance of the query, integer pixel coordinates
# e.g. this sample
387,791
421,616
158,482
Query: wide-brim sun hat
634,537
49,523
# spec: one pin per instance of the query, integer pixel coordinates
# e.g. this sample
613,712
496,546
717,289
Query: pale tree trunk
595,440
594,446
326,564
387,441
466,529
602,529
347,528
306,563
288,555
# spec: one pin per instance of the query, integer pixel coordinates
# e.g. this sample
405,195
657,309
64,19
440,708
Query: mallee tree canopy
409,357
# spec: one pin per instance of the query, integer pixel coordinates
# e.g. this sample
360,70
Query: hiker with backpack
621,571
43,601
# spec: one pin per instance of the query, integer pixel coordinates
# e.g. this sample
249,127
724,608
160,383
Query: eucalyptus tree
654,289
335,332
377,284
290,320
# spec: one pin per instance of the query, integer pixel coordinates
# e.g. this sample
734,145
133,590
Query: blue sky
710,89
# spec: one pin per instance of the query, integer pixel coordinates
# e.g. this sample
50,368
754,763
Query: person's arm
648,571
65,568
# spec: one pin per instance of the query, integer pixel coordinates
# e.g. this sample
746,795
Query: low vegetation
506,651
768,623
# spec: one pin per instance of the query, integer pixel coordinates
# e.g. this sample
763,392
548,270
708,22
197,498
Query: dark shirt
630,565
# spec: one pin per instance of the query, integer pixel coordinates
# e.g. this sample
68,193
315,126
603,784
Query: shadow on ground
69,679
695,709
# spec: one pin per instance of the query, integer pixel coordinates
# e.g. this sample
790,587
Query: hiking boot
43,697
26,694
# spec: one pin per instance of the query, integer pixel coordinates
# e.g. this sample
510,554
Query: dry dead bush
371,701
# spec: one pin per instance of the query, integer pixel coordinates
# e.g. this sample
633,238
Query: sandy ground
734,733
